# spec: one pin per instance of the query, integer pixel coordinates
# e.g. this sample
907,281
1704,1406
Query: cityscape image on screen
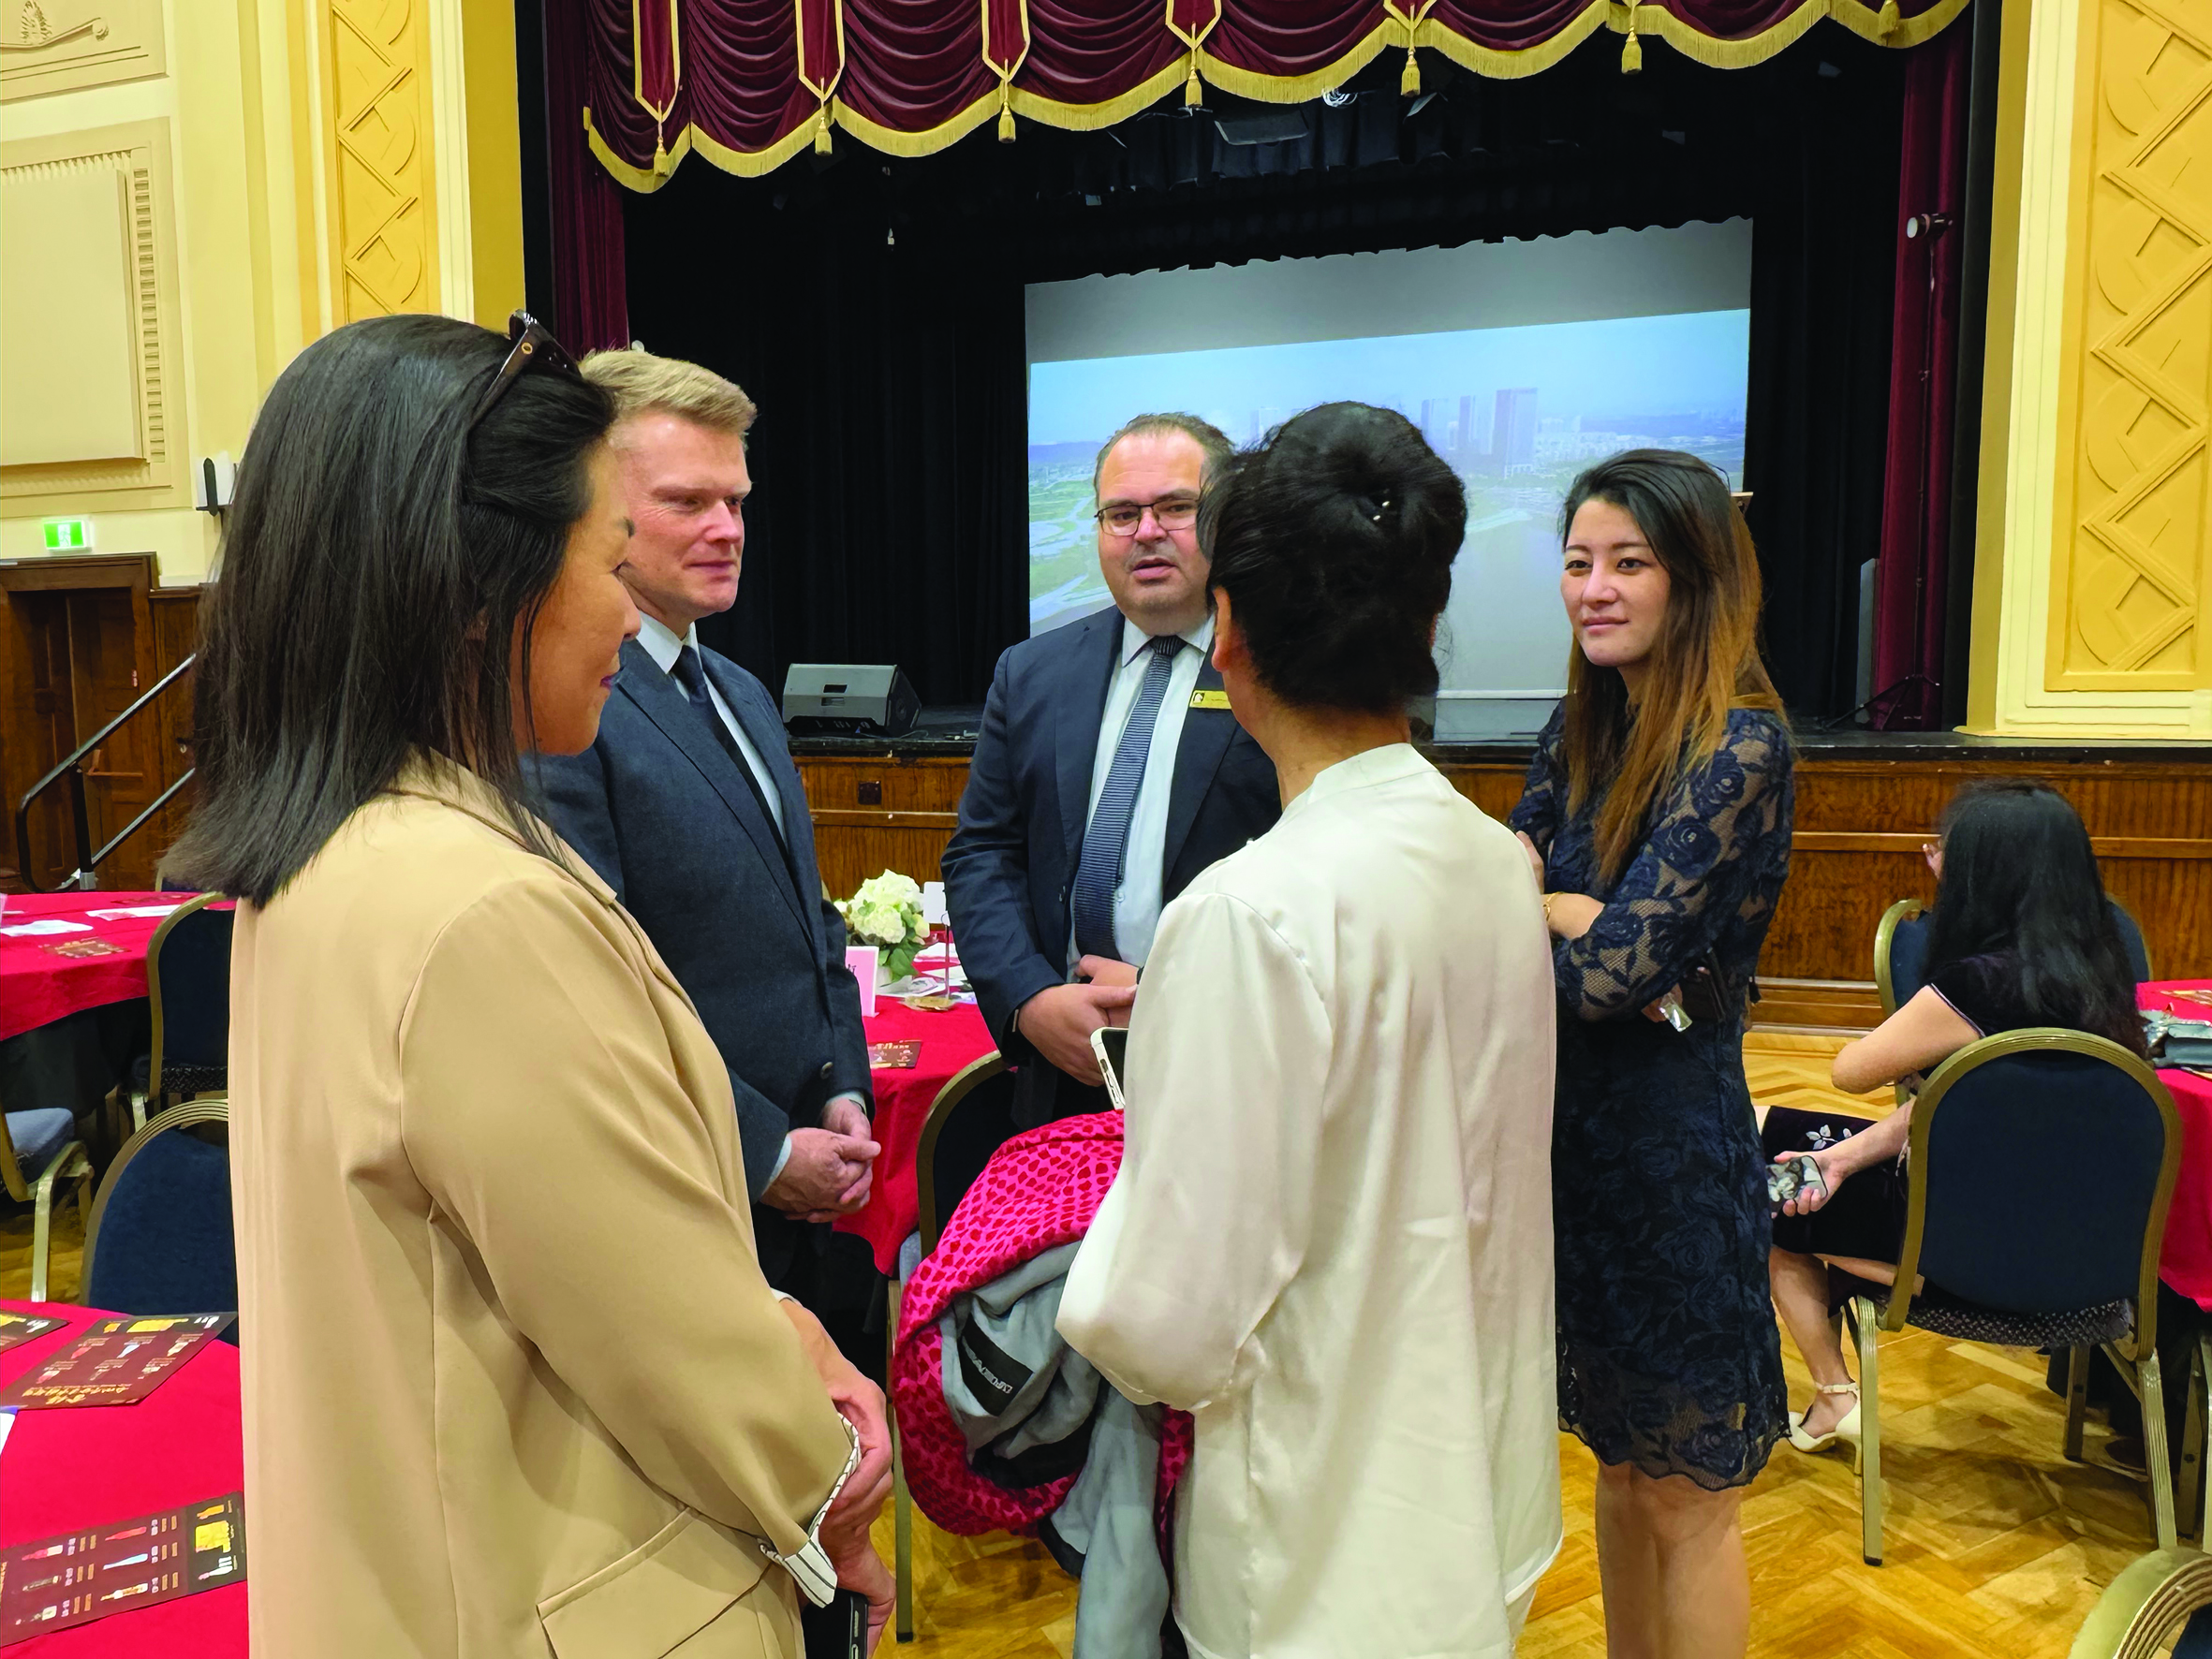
1516,412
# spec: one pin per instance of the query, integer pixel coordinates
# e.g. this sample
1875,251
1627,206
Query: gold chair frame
2144,1608
168,923
2135,1355
72,1163
957,1088
213,1110
1904,910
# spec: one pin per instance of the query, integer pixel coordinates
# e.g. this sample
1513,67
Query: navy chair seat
39,1134
1936,1309
161,1240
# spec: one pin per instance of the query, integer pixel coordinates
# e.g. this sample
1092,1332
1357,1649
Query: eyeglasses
1122,519
531,343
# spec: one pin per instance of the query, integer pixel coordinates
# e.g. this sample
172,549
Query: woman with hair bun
1330,1238
1658,813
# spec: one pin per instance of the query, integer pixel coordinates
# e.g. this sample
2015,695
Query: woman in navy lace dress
1658,813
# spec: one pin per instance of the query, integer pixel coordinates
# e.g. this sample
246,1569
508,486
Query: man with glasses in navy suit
1109,772
689,808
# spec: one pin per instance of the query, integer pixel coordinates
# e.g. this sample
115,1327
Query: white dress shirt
1330,1236
1137,901
662,645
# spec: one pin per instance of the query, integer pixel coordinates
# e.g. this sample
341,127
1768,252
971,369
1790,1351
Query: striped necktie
1105,844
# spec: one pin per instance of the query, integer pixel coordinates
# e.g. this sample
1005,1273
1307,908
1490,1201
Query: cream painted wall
270,243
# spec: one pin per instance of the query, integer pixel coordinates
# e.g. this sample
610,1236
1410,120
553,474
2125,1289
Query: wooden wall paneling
1859,824
878,813
82,648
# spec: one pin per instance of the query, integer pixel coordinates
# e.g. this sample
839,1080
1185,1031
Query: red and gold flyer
19,1329
57,1582
116,1361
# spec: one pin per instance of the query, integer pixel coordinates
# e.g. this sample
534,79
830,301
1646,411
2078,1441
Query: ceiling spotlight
1930,225
1337,97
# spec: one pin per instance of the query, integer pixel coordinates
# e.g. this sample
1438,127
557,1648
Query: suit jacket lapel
1206,734
663,702
1090,665
767,738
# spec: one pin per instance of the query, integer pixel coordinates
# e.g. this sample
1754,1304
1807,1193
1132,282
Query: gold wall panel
137,156
378,134
48,46
2132,574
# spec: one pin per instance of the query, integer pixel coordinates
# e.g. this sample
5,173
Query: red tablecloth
2184,1260
950,1040
86,1466
37,985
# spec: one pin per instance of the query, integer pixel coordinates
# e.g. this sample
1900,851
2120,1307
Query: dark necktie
1106,842
690,674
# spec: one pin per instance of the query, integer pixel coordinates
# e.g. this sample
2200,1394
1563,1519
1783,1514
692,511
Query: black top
1984,992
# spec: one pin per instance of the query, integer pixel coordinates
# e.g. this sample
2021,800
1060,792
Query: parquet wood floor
1997,1546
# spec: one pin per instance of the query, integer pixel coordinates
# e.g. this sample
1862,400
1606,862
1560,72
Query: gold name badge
1209,699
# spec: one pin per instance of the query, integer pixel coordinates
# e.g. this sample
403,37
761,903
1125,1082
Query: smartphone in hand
1793,1178
1111,1044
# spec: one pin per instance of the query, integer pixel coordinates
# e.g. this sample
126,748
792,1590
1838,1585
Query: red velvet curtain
1910,578
590,306
753,80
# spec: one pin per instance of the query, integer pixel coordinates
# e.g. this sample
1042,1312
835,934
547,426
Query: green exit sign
68,535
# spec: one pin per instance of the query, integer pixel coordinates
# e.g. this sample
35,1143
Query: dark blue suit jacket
1011,862
657,807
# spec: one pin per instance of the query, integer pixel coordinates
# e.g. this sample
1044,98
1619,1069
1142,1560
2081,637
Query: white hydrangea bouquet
887,914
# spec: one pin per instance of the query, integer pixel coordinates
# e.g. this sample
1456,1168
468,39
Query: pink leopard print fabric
1039,1191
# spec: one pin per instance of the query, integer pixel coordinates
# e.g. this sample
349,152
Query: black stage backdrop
873,308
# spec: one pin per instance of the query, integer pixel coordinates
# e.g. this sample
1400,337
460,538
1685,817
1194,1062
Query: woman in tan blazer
514,1384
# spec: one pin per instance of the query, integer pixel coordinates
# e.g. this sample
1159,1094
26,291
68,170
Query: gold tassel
1631,51
1890,17
821,132
1006,117
1409,76
1192,96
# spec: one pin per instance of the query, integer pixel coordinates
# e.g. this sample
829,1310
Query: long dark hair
1334,541
378,563
1704,661
2020,880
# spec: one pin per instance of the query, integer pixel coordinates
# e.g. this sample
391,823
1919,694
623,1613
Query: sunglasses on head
531,345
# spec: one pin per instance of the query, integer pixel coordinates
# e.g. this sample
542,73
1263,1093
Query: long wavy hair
1704,661
2020,880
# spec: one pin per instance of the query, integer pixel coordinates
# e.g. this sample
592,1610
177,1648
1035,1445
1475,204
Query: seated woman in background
2022,935
1330,1236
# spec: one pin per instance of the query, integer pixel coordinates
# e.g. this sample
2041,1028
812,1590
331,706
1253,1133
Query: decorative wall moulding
50,46
135,158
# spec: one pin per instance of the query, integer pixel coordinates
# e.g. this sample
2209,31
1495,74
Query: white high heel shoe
1846,1428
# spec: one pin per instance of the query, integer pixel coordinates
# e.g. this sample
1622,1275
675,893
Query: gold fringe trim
922,144
1297,89
1513,66
1867,22
1091,117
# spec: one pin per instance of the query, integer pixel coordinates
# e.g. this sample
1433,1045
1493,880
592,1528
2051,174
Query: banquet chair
188,983
2158,1605
39,1153
160,1239
2041,1165
971,1118
1901,950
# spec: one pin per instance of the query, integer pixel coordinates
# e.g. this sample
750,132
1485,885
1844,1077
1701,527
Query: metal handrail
84,878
